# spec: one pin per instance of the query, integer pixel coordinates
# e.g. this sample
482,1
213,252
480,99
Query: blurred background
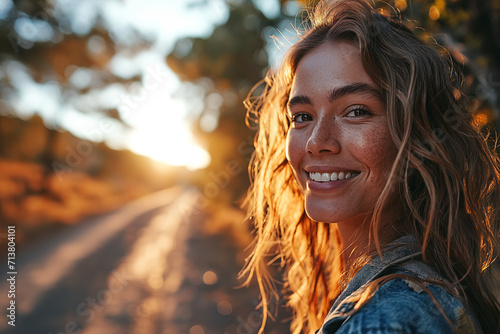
124,152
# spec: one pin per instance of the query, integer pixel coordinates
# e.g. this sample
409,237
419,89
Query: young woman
372,184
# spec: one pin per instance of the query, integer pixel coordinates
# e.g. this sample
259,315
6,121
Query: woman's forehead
330,66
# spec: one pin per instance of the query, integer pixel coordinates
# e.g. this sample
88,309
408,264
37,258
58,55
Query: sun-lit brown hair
447,177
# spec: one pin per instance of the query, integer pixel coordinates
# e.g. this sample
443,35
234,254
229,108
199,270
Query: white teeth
325,177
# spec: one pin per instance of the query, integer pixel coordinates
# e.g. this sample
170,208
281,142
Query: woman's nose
324,138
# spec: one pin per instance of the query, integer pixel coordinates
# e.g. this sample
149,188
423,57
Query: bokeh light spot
81,78
434,13
210,278
440,5
96,45
224,307
155,281
480,120
401,5
209,120
196,329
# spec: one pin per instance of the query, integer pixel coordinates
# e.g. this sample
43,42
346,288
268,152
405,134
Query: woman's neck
358,242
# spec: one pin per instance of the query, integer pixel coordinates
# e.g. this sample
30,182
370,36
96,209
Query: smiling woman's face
338,145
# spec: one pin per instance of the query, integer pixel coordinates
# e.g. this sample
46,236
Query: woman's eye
301,118
357,112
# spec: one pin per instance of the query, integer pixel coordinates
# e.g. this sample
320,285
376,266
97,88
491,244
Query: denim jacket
399,305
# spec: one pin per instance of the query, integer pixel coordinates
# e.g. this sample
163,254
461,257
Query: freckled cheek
382,157
377,153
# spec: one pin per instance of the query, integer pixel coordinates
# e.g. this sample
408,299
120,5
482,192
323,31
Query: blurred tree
38,45
469,30
226,65
38,35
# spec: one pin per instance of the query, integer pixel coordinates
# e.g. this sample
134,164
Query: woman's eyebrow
355,88
337,93
299,99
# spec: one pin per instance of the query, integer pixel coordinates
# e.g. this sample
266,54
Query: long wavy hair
446,175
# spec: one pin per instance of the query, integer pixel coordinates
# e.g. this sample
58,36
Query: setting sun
173,145
159,121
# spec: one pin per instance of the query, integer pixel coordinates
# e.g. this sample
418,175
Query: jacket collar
399,251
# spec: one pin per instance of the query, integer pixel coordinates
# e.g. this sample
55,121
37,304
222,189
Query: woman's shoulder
406,304
399,293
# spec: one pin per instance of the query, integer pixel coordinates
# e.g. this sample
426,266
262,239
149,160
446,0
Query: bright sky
159,122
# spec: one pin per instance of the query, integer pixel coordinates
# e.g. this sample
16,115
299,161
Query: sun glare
173,144
159,122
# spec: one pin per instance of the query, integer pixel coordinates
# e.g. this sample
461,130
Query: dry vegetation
47,181
30,198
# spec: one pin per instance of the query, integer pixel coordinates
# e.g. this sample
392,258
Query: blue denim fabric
399,305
